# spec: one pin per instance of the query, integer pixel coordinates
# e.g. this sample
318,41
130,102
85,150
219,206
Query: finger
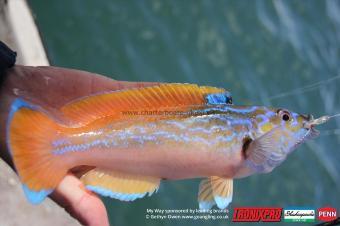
80,203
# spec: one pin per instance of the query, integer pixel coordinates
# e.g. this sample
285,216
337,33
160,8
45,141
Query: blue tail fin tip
19,103
16,105
36,197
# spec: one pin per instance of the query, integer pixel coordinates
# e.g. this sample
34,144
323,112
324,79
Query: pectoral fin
215,190
267,151
122,186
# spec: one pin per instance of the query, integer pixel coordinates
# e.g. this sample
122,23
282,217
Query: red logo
327,214
256,214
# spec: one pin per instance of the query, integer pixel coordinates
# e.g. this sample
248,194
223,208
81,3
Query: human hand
51,88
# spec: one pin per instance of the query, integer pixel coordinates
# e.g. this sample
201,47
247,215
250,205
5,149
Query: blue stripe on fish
226,138
83,147
265,118
116,195
139,139
241,122
225,109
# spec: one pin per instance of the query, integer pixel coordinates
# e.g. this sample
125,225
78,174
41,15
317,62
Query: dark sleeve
7,59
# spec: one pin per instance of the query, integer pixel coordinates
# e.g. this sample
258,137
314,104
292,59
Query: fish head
276,133
290,128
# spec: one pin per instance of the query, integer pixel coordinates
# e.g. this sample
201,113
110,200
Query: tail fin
29,138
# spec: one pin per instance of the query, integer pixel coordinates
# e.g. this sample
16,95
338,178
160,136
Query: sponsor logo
327,214
299,214
256,214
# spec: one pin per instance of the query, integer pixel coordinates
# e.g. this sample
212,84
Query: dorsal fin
97,106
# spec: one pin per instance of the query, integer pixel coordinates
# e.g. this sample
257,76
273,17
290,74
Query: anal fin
122,186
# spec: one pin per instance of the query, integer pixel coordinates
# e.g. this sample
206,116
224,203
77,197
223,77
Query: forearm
7,94
7,61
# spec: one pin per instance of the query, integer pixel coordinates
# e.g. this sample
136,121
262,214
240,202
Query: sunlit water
259,50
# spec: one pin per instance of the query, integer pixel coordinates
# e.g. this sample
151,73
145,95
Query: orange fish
134,138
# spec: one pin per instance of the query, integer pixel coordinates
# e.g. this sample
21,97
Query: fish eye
285,117
284,114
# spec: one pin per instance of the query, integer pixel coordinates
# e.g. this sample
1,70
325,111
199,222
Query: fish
133,139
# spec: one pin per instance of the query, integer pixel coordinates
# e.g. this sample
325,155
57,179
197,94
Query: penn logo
327,213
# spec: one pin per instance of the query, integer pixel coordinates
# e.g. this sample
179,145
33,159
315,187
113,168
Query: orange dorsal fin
90,108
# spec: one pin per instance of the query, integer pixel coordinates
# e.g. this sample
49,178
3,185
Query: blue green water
255,49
